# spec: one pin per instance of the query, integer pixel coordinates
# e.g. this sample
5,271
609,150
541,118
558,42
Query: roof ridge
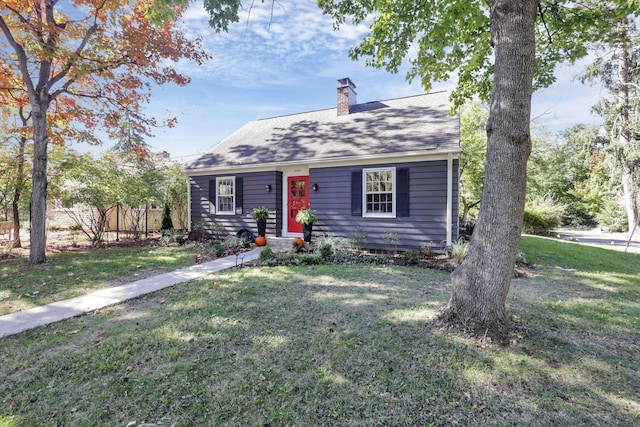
356,105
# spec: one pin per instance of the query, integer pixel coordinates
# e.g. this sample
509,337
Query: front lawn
70,274
331,345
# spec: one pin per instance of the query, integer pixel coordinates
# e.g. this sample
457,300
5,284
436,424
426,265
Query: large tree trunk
481,284
38,237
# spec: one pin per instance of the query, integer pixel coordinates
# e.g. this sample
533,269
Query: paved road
603,238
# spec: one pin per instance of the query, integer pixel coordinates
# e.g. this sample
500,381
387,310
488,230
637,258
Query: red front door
297,199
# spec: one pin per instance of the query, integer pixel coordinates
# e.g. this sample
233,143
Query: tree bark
481,284
38,236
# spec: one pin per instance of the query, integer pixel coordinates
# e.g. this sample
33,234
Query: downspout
188,205
449,198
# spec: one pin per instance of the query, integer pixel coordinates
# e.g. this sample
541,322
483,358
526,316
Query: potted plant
261,215
306,217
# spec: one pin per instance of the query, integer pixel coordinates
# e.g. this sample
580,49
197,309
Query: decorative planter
306,231
262,227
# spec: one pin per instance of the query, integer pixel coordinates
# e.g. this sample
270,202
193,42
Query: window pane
378,187
226,195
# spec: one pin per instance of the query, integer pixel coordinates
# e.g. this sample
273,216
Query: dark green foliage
411,257
218,249
180,240
167,222
222,13
266,254
309,259
355,258
540,220
326,250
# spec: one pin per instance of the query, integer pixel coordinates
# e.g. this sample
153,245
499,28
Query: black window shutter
402,193
239,195
356,193
212,191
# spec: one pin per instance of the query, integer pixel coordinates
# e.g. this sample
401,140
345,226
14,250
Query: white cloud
289,62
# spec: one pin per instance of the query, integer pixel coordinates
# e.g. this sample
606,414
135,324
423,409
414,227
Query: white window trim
218,210
391,214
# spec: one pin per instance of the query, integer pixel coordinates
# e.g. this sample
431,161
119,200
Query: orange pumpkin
298,241
261,241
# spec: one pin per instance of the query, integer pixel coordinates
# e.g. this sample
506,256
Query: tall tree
96,59
501,50
617,67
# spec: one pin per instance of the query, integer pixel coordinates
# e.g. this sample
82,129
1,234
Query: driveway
601,237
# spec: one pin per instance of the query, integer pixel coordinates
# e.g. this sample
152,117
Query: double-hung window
379,192
226,196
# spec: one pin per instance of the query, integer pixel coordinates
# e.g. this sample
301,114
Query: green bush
411,257
541,217
612,215
309,259
325,250
266,254
218,249
459,250
167,222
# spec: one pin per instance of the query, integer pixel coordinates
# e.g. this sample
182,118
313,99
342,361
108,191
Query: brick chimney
346,96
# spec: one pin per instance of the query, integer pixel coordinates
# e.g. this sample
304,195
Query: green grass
339,346
69,274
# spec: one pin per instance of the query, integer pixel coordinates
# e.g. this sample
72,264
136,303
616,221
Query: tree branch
544,23
22,59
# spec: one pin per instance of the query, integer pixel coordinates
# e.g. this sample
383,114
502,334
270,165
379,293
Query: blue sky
292,64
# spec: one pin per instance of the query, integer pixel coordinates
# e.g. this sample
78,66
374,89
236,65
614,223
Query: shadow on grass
320,345
70,274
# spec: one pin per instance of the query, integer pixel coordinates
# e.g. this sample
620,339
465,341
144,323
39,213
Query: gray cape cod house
385,169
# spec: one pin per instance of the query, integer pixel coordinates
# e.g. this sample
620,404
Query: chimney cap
346,82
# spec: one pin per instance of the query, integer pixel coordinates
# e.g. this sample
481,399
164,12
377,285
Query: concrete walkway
17,322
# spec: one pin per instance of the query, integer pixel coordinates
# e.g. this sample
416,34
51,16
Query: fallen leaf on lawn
162,301
217,286
101,332
18,286
73,332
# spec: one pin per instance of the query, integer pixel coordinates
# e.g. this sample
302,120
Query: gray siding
254,193
426,223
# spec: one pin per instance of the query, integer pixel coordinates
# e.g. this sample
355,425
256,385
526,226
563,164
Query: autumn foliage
84,65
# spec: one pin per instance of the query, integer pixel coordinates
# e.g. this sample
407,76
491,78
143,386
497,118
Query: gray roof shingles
415,124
